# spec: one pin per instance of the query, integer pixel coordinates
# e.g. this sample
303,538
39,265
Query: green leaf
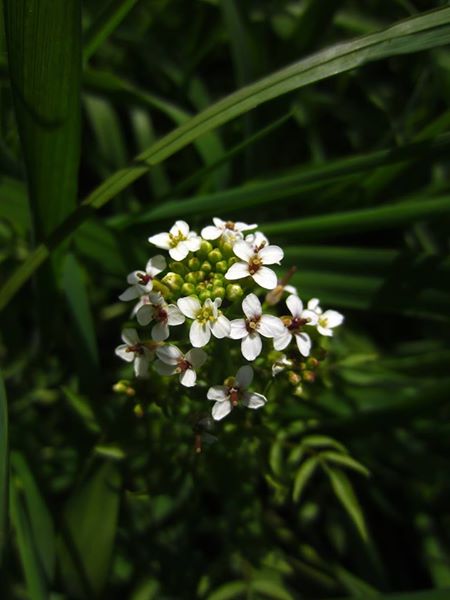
345,461
302,477
229,591
268,588
80,405
320,441
344,492
412,35
3,466
89,531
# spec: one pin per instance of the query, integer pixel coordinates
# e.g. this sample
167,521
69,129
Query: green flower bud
222,266
206,266
204,295
173,281
308,376
232,260
191,277
205,249
194,264
312,363
218,292
234,292
215,255
294,378
201,275
188,289
227,249
218,279
177,267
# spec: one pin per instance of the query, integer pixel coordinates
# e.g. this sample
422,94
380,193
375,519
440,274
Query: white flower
179,241
253,264
172,360
207,319
281,364
135,350
141,283
158,310
256,324
293,326
227,229
326,321
257,240
226,397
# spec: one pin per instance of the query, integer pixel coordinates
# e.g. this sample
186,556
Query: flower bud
232,260
188,289
121,386
218,292
234,292
214,256
206,266
138,411
177,267
194,264
294,378
222,266
226,248
218,279
191,277
204,295
201,275
173,281
312,362
308,376
205,249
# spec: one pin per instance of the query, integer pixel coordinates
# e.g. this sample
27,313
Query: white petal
169,354
211,233
251,346
188,378
325,331
141,363
179,252
123,353
155,265
196,357
270,326
240,226
253,400
313,304
160,332
266,278
304,343
271,255
243,251
221,410
237,271
163,368
189,306
131,293
244,377
251,306
145,314
199,334
161,240
221,327
281,342
180,227
174,315
334,319
295,305
238,329
219,223
193,243
218,393
156,298
130,336
312,316
290,289
133,277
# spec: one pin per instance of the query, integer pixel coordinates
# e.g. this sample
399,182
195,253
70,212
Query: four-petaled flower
171,360
141,282
207,319
226,397
257,241
255,324
158,310
179,241
252,264
135,350
227,229
293,326
326,321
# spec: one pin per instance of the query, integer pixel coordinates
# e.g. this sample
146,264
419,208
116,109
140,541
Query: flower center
137,349
254,265
230,225
204,315
174,240
253,323
160,313
294,323
234,396
143,278
183,365
323,322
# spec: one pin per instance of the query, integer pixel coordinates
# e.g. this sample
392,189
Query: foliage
328,125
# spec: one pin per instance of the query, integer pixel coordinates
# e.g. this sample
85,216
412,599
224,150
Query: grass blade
412,35
3,466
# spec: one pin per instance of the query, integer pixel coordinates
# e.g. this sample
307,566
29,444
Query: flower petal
251,346
265,278
244,376
280,343
188,378
218,393
169,354
123,353
221,410
197,357
180,227
334,319
145,314
238,329
130,336
295,305
237,271
189,306
174,315
312,316
193,243
211,233
131,293
141,363
199,334
313,304
290,289
304,343
270,326
240,226
271,255
221,327
243,251
253,400
251,306
324,330
155,265
161,240
179,252
163,368
219,223
160,332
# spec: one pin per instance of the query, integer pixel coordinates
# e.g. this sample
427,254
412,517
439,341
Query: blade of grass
412,35
4,480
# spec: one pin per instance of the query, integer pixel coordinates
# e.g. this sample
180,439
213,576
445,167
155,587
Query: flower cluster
219,291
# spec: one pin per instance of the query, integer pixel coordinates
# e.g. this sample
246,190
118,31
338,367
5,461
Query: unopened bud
191,277
308,376
204,295
138,411
201,275
173,281
205,249
232,260
227,249
206,266
218,292
234,292
188,289
218,280
222,266
302,366
294,378
215,256
121,386
312,363
177,267
194,264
